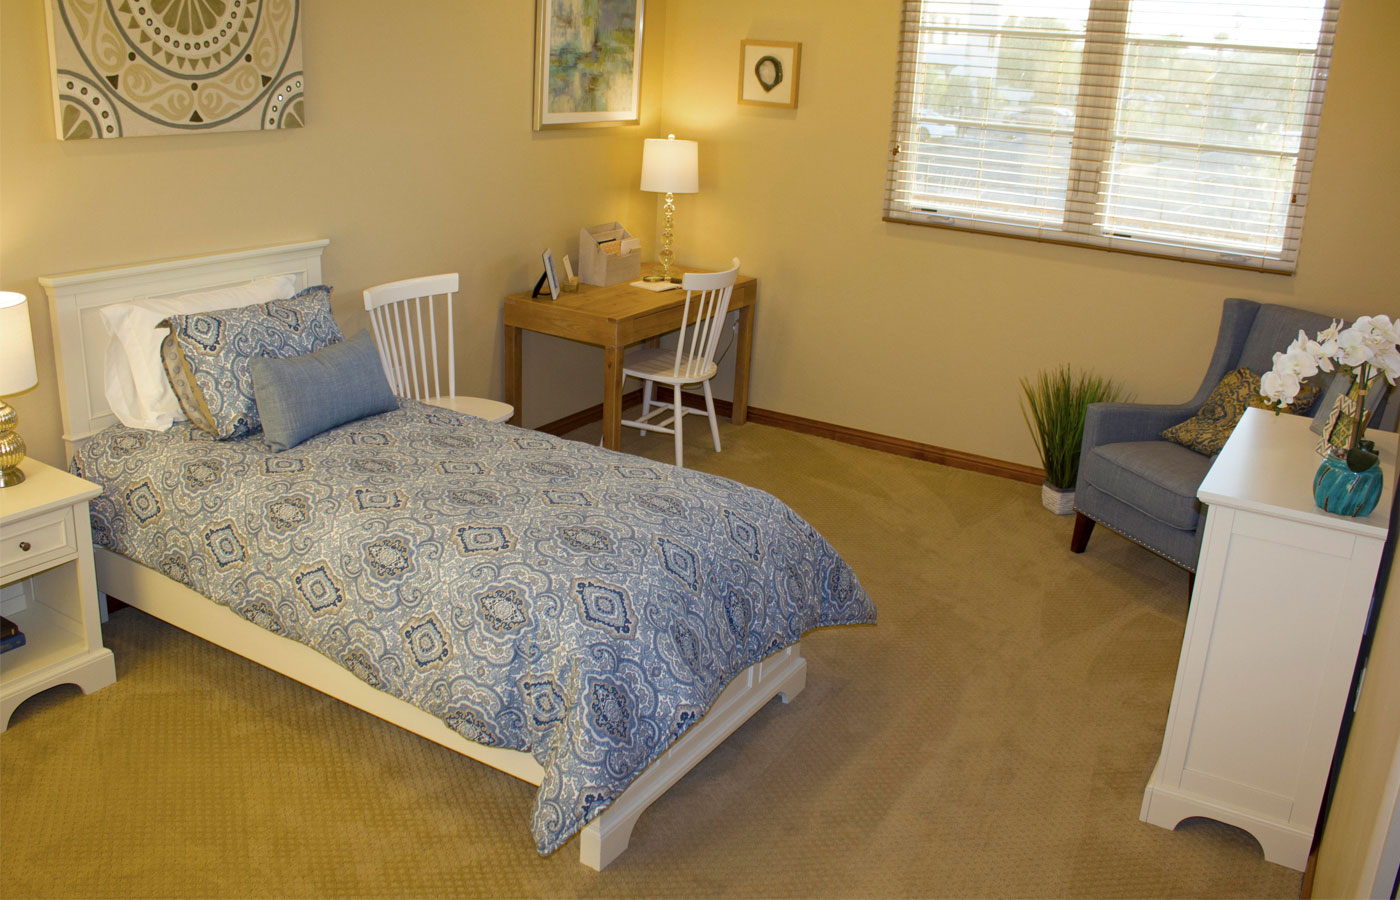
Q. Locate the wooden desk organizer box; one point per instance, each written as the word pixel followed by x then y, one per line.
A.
pixel 595 266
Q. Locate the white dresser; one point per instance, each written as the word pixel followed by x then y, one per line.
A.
pixel 1281 598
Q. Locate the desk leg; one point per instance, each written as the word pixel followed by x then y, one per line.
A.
pixel 514 340
pixel 612 397
pixel 742 357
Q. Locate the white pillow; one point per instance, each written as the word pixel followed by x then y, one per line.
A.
pixel 134 379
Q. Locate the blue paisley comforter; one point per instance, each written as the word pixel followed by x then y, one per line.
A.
pixel 582 605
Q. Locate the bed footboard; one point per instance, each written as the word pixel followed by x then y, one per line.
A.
pixel 784 674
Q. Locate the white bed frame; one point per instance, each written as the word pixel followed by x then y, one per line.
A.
pixel 81 340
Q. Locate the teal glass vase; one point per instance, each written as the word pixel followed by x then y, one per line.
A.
pixel 1338 489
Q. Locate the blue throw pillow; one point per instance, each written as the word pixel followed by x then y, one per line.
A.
pixel 299 397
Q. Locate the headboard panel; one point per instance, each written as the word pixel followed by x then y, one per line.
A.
pixel 80 338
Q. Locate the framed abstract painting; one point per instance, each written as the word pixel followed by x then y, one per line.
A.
pixel 588 62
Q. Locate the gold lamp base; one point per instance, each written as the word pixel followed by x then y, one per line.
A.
pixel 667 254
pixel 11 447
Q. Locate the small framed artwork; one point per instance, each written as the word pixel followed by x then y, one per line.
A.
pixel 768 72
pixel 550 274
pixel 588 63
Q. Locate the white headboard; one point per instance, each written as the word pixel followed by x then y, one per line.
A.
pixel 80 338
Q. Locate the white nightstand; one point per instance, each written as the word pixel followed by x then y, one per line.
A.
pixel 46 544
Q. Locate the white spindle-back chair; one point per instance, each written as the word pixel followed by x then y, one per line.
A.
pixel 403 315
pixel 692 361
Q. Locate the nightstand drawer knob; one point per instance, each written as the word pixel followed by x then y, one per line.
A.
pixel 24 545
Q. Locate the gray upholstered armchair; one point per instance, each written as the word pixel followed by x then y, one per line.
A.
pixel 1144 487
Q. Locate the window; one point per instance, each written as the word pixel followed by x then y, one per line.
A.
pixel 1181 128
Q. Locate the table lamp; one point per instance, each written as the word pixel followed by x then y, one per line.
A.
pixel 669 167
pixel 17 373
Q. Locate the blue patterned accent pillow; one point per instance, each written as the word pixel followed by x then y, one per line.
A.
pixel 216 347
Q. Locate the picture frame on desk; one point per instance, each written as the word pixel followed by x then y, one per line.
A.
pixel 550 275
pixel 588 76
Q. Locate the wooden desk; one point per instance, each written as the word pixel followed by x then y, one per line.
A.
pixel 614 318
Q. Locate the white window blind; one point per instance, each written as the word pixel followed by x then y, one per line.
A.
pixel 1181 128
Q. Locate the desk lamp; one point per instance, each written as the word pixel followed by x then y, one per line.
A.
pixel 669 167
pixel 17 373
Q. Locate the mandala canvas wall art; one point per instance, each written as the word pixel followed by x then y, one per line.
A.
pixel 123 68
pixel 588 62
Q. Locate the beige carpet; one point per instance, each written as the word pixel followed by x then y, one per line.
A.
pixel 990 737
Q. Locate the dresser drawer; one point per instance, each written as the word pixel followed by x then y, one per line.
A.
pixel 36 542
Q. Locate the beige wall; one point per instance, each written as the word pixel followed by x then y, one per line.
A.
pixel 923 333
pixel 418 158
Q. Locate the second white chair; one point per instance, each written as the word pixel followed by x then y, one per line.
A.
pixel 403 315
pixel 692 362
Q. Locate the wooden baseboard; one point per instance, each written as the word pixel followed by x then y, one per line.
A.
pixel 587 416
pixel 957 459
pixel 869 439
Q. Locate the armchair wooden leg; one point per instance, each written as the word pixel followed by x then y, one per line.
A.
pixel 1083 527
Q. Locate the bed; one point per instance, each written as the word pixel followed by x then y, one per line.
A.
pixel 587 621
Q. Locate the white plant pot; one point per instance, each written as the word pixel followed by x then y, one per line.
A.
pixel 1059 502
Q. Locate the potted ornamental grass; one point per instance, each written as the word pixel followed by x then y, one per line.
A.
pixel 1054 408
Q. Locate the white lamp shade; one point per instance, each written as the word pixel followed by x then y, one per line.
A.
pixel 670 166
pixel 17 372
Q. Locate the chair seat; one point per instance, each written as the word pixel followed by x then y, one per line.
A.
pixel 1158 478
pixel 490 410
pixel 657 364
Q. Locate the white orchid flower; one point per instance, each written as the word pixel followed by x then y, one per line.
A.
pixel 1325 353
pixel 1317 352
pixel 1305 364
pixel 1388 361
pixel 1297 362
pixel 1321 354
pixel 1389 330
pixel 1281 388
pixel 1370 347
pixel 1366 326
pixel 1353 349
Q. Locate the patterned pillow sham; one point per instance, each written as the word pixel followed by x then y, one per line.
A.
pixel 215 348
pixel 182 385
pixel 1207 431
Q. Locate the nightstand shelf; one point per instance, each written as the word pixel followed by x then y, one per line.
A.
pixel 46 547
